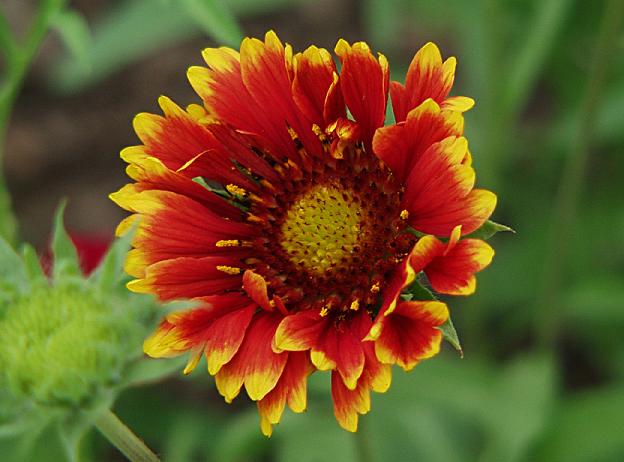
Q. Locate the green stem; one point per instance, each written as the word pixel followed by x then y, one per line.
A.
pixel 124 439
pixel 570 187
pixel 362 443
pixel 18 60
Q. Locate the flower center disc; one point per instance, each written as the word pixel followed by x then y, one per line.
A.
pixel 322 228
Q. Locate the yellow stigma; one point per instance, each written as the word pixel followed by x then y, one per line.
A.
pixel 235 190
pixel 229 269
pixel 404 214
pixel 228 243
pixel 324 311
pixel 375 288
pixel 322 228
pixel 355 305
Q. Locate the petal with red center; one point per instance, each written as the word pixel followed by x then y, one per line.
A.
pixel 409 334
pixel 438 182
pixel 172 226
pixel 291 388
pixel 174 139
pixel 255 365
pixel 265 72
pixel 364 83
pixel 402 145
pixel 216 328
pixel 152 173
pixel 454 272
pixel 185 277
pixel 427 77
pixel 339 346
pixel 314 78
pixel 299 331
pixel 470 212
pixel 349 403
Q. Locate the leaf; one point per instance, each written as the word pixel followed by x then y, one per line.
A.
pixel 32 264
pixel 489 229
pixel 450 335
pixel 215 19
pixel 109 272
pixel 74 31
pixel 420 292
pixel 12 270
pixel 63 250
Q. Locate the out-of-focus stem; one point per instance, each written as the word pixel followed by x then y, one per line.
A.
pixel 17 61
pixel 124 439
pixel 572 176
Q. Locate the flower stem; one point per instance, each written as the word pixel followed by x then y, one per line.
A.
pixel 572 176
pixel 18 58
pixel 123 438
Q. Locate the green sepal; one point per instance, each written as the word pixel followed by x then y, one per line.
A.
pixel 63 249
pixel 489 229
pixel 12 271
pixel 419 292
pixel 450 335
pixel 32 265
pixel 109 273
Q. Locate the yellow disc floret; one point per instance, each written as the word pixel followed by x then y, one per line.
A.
pixel 322 228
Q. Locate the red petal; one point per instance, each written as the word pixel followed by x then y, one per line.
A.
pixel 299 331
pixel 364 83
pixel 217 328
pixel 402 145
pixel 291 388
pixel 453 273
pixel 314 77
pixel 408 334
pixel 255 364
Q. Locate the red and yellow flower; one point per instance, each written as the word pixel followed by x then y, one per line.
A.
pixel 296 219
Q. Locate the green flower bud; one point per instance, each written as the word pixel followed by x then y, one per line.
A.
pixel 62 344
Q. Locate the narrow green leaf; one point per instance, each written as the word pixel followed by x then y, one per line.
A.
pixel 215 19
pixel 489 229
pixel 450 335
pixel 110 271
pixel 63 250
pixel 74 31
pixel 32 264
pixel 12 268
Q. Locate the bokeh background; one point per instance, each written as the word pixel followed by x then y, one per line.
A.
pixel 543 374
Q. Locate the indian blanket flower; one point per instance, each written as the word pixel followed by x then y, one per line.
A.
pixel 296 220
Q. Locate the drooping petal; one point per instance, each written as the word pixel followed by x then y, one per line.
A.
pixel 408 334
pixel 299 331
pixel 217 328
pixel 349 403
pixel 255 365
pixel 291 388
pixel 364 83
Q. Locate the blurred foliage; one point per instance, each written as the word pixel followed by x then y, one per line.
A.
pixel 515 397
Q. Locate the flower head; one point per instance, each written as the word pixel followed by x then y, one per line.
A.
pixel 296 220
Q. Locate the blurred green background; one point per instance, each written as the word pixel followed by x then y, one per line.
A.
pixel 543 373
